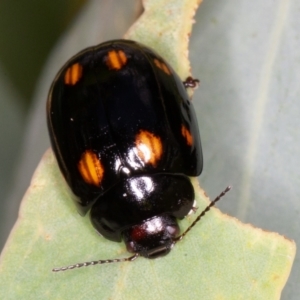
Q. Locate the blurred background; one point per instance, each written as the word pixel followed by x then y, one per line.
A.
pixel 246 56
pixel 28 34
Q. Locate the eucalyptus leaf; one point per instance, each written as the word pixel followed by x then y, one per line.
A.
pixel 219 258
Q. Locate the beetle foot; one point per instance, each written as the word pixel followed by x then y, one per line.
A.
pixel 191 82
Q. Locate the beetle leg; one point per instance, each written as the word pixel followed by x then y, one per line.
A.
pixel 191 82
pixel 193 209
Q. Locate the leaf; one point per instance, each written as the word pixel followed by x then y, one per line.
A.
pixel 220 258
pixel 246 58
pixel 166 23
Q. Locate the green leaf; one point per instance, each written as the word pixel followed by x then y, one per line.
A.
pixel 166 27
pixel 220 258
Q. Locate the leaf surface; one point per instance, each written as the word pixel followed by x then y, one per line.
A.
pixel 220 258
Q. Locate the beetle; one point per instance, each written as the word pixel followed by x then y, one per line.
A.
pixel 126 140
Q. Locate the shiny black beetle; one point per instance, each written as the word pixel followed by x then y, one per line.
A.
pixel 125 136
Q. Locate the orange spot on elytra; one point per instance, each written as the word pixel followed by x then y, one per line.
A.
pixel 187 135
pixel 116 59
pixel 149 147
pixel 73 74
pixel 162 66
pixel 91 168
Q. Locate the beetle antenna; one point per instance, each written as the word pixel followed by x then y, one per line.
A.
pixel 179 238
pixel 96 262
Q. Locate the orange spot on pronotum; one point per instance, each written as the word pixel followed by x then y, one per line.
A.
pixel 91 168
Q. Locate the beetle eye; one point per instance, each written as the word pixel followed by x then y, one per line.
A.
pixel 130 246
pixel 173 230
